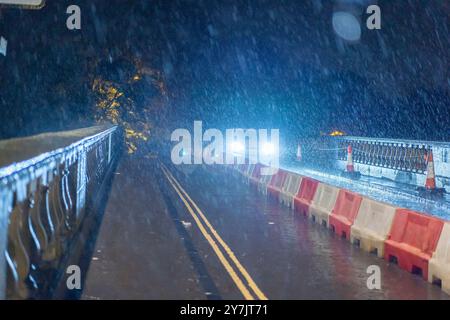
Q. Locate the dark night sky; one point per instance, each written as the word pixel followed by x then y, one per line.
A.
pixel 247 63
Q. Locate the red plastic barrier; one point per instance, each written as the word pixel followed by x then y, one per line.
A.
pixel 276 184
pixel 344 212
pixel 412 240
pixel 305 195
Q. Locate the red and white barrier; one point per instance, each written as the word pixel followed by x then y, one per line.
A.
pixel 305 195
pixel 249 171
pixel 418 242
pixel 256 174
pixel 276 184
pixel 439 265
pixel 344 212
pixel 290 189
pixel 372 225
pixel 264 182
pixel 323 203
pixel 412 240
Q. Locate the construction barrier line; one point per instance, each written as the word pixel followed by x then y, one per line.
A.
pixel 417 242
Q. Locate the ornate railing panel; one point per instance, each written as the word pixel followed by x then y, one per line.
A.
pixel 403 155
pixel 43 203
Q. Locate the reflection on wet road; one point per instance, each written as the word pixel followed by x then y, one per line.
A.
pixel 201 233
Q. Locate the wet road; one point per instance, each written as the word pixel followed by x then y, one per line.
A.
pixel 199 233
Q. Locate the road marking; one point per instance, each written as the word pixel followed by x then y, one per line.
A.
pixel 245 292
pixel 230 253
pixel 251 283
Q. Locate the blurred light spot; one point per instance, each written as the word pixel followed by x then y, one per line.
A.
pixel 346 26
pixel 236 146
pixel 336 133
pixel 268 149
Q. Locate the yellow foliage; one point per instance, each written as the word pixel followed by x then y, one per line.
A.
pixel 131 147
pixel 113 104
pixel 337 133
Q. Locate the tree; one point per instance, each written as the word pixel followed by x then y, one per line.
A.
pixel 128 93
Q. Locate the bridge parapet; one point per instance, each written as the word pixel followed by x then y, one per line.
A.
pixel 44 183
pixel 399 160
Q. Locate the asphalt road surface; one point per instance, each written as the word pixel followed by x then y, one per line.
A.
pixel 193 232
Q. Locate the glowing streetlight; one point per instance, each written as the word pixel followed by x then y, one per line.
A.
pixel 25 4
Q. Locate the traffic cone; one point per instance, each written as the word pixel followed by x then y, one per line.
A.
pixel 350 169
pixel 430 182
pixel 299 153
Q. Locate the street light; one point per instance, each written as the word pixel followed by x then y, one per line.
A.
pixel 25 4
pixel 3 46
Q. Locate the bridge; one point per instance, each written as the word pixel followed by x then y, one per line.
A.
pixel 139 227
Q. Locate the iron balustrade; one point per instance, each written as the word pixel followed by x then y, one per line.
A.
pixel 43 201
pixel 410 157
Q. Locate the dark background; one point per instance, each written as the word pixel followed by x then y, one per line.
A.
pixel 249 63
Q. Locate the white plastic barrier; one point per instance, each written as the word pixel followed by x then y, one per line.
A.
pixel 248 174
pixel 263 183
pixel 235 170
pixel 439 265
pixel 372 226
pixel 249 171
pixel 323 203
pixel 290 189
pixel 255 175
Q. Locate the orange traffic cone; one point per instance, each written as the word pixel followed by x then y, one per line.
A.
pixel 430 182
pixel 350 170
pixel 299 153
pixel 350 167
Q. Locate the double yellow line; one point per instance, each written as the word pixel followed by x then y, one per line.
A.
pixel 250 290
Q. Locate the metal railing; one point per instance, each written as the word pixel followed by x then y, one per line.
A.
pixel 404 156
pixel 43 202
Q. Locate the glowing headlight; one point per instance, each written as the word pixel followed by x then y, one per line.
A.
pixel 268 149
pixel 236 147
